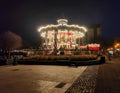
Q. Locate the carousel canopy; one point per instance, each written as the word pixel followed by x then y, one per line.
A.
pixel 63 28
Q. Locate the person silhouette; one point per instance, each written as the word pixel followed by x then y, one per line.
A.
pixel 14 60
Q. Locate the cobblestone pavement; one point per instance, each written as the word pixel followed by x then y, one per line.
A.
pixel 86 82
pixel 104 78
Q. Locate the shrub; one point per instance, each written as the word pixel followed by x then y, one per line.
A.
pixel 62 57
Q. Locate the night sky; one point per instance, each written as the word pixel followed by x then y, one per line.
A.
pixel 25 16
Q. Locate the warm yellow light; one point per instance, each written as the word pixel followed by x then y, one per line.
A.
pixel 65 33
pixel 116 45
pixel 62 21
pixel 110 48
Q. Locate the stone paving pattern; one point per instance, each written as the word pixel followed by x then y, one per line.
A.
pixel 86 81
pixel 104 78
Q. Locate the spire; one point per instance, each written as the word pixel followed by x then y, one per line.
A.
pixel 63 16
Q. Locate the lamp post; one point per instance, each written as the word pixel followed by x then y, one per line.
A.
pixel 55 42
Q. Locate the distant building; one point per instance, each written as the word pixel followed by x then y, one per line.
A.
pixel 93 35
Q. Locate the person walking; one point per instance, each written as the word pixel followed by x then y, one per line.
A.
pixel 14 60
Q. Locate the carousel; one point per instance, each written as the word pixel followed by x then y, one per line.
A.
pixel 62 35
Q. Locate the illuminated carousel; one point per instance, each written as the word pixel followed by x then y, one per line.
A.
pixel 62 34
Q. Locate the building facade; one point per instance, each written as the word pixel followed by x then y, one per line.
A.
pixel 93 35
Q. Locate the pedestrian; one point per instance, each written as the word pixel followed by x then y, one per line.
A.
pixel 14 60
pixel 61 49
pixel 110 56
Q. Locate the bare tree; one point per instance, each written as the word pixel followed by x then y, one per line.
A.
pixel 10 40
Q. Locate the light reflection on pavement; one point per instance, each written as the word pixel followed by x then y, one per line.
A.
pixel 37 78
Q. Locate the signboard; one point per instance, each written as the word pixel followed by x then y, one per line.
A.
pixel 94 46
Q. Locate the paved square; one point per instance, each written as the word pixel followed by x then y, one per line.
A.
pixel 37 78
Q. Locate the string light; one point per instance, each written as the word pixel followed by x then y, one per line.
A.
pixel 64 31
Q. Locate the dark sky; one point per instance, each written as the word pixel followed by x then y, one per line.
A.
pixel 25 16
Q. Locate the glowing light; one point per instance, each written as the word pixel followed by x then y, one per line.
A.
pixel 117 45
pixel 94 46
pixel 62 21
pixel 65 33
pixel 110 48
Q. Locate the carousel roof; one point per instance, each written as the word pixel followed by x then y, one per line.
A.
pixel 63 26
